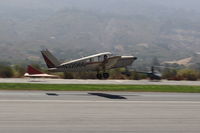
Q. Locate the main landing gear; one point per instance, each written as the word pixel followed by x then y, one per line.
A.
pixel 102 75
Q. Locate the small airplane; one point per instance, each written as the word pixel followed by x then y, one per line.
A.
pixel 99 62
pixel 34 73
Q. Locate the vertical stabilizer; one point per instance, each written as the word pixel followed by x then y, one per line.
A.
pixel 50 60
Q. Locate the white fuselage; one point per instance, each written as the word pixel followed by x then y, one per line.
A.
pixel 92 65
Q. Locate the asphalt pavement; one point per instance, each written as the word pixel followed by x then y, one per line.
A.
pixel 90 81
pixel 98 112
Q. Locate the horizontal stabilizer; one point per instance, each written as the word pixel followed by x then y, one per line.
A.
pixel 31 70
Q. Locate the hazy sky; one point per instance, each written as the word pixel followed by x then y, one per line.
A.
pixel 187 4
pixel 34 23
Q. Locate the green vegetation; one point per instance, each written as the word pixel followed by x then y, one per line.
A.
pixel 181 74
pixel 70 87
pixel 187 74
pixel 17 71
pixel 6 71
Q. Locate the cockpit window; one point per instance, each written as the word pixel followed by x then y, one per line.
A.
pixel 98 58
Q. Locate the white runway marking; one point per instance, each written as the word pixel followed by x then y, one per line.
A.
pixel 87 101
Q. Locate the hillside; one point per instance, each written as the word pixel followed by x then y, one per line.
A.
pixel 74 29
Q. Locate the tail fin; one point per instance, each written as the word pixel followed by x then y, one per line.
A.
pixel 31 70
pixel 50 60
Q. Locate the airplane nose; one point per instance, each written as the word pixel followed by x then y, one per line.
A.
pixel 135 58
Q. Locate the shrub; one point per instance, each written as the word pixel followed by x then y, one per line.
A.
pixel 169 74
pixel 138 76
pixel 187 74
pixel 68 75
pixel 6 72
pixel 19 71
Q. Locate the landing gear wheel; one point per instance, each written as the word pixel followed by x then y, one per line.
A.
pixel 99 76
pixel 106 75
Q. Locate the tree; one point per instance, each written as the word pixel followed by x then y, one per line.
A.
pixel 169 74
pixel 6 72
pixel 19 70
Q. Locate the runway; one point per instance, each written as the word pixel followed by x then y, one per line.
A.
pixel 98 112
pixel 90 81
